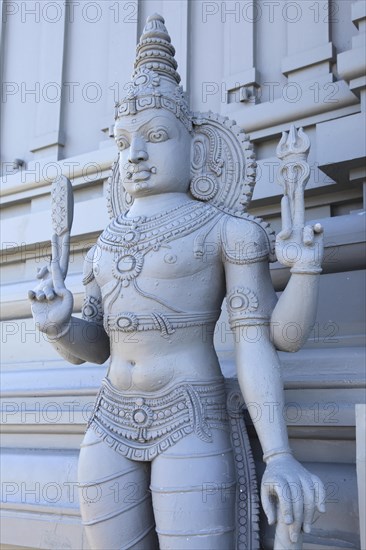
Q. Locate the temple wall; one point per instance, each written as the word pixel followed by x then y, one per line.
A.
pixel 266 65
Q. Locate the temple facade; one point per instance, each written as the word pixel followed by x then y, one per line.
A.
pixel 266 65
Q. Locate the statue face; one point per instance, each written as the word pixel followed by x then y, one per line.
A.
pixel 154 153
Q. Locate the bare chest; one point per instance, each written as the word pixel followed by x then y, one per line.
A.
pixel 172 259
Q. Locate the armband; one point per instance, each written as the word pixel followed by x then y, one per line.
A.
pixel 92 310
pixel 242 307
pixel 306 271
pixel 243 241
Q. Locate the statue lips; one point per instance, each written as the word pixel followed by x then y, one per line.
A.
pixel 142 174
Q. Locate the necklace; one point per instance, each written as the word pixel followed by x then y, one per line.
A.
pixel 130 239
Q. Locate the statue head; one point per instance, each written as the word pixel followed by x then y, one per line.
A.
pixel 164 147
pixel 153 123
pixel 154 153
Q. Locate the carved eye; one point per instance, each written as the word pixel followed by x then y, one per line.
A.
pixel 155 136
pixel 122 143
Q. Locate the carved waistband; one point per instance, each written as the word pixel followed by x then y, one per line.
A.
pixel 166 323
pixel 144 425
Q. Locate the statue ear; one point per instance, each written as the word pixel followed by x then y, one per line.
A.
pixel 118 200
pixel 204 184
pixel 222 163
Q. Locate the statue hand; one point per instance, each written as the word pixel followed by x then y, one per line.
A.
pixel 297 492
pixel 297 246
pixel 51 301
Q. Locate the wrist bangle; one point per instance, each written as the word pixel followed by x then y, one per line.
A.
pixel 306 271
pixel 275 452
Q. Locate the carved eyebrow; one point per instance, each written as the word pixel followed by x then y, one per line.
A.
pixel 122 131
pixel 145 125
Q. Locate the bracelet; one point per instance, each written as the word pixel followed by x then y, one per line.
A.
pixel 275 452
pixel 306 271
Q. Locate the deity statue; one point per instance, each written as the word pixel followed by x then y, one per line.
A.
pixel 180 240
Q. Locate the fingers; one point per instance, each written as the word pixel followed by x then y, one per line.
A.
pixel 57 276
pixel 50 295
pixel 36 295
pixel 313 495
pixel 318 228
pixel 297 494
pixel 310 232
pixel 55 249
pixel 285 503
pixel 308 235
pixel 296 499
pixel 31 295
pixel 40 296
pixel 309 504
pixel 46 293
pixel 319 494
pixel 42 272
pixel 268 504
pixel 293 502
pixel 65 253
pixel 286 218
pixel 303 497
pixel 299 208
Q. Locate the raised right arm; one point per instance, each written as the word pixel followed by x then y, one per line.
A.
pixel 76 340
pixel 85 341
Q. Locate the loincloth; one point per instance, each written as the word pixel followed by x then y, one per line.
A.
pixel 141 426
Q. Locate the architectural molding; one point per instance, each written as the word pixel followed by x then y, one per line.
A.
pixel 48 140
pixel 351 64
pixel 304 59
pixel 331 97
pixel 241 78
pixel 81 169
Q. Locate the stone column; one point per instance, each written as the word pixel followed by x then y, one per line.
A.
pixel 48 136
pixel 241 79
pixel 309 47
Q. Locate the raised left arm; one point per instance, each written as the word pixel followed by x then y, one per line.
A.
pixel 298 246
pixel 294 315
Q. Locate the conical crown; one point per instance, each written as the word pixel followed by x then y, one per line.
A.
pixel 155 81
pixel 155 51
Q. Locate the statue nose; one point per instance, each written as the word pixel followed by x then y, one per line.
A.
pixel 137 151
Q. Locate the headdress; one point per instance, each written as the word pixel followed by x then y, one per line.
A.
pixel 155 81
pixel 223 166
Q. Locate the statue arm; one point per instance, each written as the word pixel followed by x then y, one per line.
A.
pixel 85 339
pixel 294 315
pixel 250 300
pixel 76 340
pixel 300 248
pixel 290 494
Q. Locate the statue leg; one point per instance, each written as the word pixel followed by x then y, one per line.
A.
pixel 114 497
pixel 193 490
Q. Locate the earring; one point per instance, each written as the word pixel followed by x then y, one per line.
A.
pixel 203 187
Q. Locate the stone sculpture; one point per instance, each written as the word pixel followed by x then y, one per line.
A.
pixel 179 240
